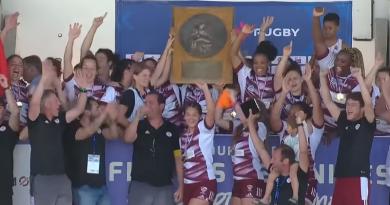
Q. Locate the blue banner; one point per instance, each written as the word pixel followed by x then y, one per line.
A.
pixel 144 25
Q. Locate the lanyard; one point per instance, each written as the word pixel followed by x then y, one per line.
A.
pixel 278 188
pixel 338 87
pixel 94 144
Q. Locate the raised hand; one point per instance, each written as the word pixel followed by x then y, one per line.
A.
pixel 98 21
pixel 379 60
pixel 318 11
pixel 247 29
pixel 202 85
pixel 287 50
pixel 74 31
pixel 11 21
pixel 171 39
pixel 81 79
pixel 137 56
pixel 286 85
pixel 308 72
pixel 3 81
pixel 267 22
pixel 356 73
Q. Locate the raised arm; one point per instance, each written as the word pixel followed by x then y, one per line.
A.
pixel 82 81
pixel 11 102
pixel 267 22
pixel 11 22
pixel 276 111
pixel 86 132
pixel 370 78
pixel 210 116
pixel 35 102
pixel 319 43
pixel 318 115
pixel 157 78
pixel 235 50
pixel 97 22
pixel 73 34
pixel 368 106
pixel 278 78
pixel 259 145
pixel 325 94
pixel 303 146
pixel 131 131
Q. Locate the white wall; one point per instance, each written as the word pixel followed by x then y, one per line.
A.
pixel 42 20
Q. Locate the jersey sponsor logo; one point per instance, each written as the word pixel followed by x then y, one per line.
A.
pixel 57 121
pixel 2 128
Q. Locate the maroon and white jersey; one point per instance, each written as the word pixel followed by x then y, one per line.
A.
pixel 197 149
pixel 112 94
pixel 172 110
pixel 191 93
pixel 290 100
pixel 72 90
pixel 255 87
pixel 246 161
pixel 20 91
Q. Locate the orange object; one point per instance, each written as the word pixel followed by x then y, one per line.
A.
pixel 226 99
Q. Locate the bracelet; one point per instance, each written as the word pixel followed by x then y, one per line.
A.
pixel 83 90
pixel 300 124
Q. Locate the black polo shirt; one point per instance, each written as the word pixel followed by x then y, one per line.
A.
pixel 282 191
pixel 8 140
pixel 153 155
pixel 46 139
pixel 356 137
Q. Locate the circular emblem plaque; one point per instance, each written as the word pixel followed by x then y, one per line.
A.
pixel 203 35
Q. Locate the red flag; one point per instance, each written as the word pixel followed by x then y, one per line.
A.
pixel 3 66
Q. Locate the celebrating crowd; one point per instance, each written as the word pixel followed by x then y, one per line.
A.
pixel 68 112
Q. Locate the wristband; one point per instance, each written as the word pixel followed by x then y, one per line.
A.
pixel 300 124
pixel 83 90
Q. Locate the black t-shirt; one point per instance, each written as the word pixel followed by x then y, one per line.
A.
pixel 353 158
pixel 47 152
pixel 282 191
pixel 128 99
pixel 70 155
pixel 77 158
pixel 153 156
pixel 8 140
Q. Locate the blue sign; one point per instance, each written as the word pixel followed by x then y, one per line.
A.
pixel 144 25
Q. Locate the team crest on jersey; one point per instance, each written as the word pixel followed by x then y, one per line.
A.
pixel 249 187
pixel 2 128
pixel 57 121
pixel 346 128
pixel 288 180
pixel 47 121
pixel 357 126
pixel 147 132
pixel 203 189
pixel 169 134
